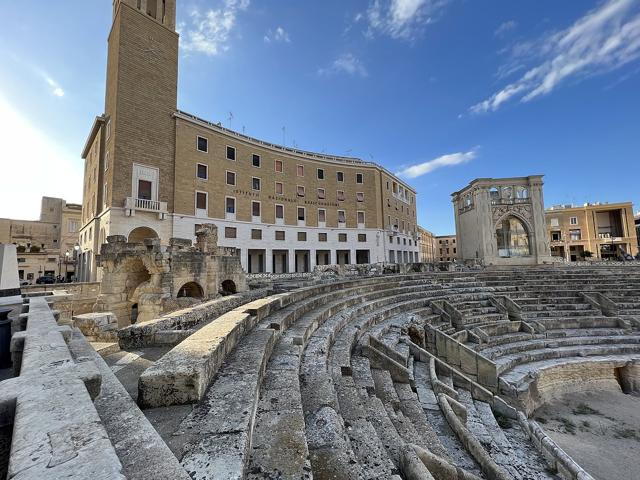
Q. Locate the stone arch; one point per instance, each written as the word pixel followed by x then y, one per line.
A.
pixel 139 234
pixel 513 236
pixel 228 287
pixel 190 290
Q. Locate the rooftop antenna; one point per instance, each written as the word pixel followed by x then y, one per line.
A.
pixel 243 129
pixel 230 118
pixel 284 131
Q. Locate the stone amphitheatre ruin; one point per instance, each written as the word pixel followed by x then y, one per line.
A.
pixel 430 375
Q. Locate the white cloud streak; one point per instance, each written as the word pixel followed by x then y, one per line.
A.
pixel 601 41
pixel 401 19
pixel 209 31
pixel 56 89
pixel 345 63
pixel 449 160
pixel 278 35
pixel 505 28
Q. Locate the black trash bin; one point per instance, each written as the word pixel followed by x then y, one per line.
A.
pixel 5 338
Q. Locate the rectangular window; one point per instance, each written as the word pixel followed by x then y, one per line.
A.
pixel 575 234
pixel 144 190
pixel 255 160
pixel 256 234
pixel 359 178
pixel 255 209
pixel 360 196
pixel 362 237
pixel 230 205
pixel 300 191
pixel 321 194
pixel 340 176
pixel 255 183
pixel 573 220
pixel 322 215
pixel 302 236
pixel 301 213
pixel 342 218
pixel 360 218
pixel 278 166
pixel 231 153
pixel 556 236
pixel 342 237
pixel 202 144
pixel 231 178
pixel 555 222
pixel 322 237
pixel 280 235
pixel 201 200
pixel 279 211
pixel 300 170
pixel 320 174
pixel 340 195
pixel 279 188
pixel 202 171
pixel 230 232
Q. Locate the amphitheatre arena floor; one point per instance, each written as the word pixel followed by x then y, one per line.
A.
pixel 599 429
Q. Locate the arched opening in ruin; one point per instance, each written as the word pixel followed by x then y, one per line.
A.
pixel 139 234
pixel 133 315
pixel 228 287
pixel 190 290
pixel 512 236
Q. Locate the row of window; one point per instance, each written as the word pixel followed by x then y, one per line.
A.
pixel 555 222
pixel 202 145
pixel 398 241
pixel 280 235
pixel 556 236
pixel 256 209
pixel 256 185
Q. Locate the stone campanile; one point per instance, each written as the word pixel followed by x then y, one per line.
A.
pixel 141 98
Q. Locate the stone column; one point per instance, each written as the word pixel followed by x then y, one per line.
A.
pixel 312 260
pixel 268 260
pixel 291 259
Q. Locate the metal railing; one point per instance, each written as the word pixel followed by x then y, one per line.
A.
pixel 144 204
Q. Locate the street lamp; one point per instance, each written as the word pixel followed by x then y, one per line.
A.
pixel 76 251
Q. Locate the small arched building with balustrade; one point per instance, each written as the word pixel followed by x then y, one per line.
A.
pixel 500 221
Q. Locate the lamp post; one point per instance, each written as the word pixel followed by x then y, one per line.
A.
pixel 76 251
pixel 67 254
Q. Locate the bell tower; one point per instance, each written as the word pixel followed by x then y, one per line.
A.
pixel 141 97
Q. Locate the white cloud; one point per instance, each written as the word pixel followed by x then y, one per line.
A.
pixel 602 40
pixel 345 63
pixel 505 28
pixel 208 32
pixel 401 18
pixel 443 161
pixel 277 35
pixel 55 88
pixel 33 165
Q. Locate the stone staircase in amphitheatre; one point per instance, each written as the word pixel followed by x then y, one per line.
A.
pixel 397 376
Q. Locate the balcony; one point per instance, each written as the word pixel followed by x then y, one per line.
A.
pixel 132 204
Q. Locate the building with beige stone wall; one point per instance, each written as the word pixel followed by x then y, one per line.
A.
pixel 606 230
pixel 446 248
pixel 500 221
pixel 426 245
pixel 45 246
pixel 152 170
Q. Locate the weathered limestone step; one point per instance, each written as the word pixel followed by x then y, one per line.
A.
pixel 508 362
pixel 538 344
pixel 217 432
pixel 279 447
pixel 143 453
pixel 456 451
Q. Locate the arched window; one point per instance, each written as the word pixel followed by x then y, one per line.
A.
pixel 494 194
pixel 507 193
pixel 522 192
pixel 190 289
pixel 513 238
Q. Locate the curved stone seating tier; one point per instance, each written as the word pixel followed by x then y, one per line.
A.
pixel 532 384
pixel 509 362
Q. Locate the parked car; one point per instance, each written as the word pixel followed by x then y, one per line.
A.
pixel 46 280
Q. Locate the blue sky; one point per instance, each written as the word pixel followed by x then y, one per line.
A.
pixel 442 91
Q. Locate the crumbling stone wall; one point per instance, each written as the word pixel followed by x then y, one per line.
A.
pixel 142 281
